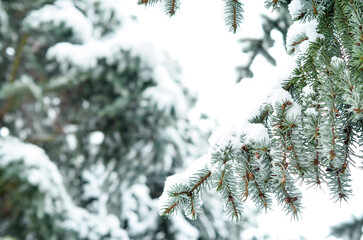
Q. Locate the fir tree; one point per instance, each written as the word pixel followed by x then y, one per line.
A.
pixel 97 121
pixel 307 131
pixel 352 230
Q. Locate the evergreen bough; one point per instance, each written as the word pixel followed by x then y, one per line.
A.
pixel 307 132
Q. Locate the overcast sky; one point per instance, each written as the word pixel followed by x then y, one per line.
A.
pixel 209 54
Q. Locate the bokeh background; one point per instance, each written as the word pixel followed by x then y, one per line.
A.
pixel 100 101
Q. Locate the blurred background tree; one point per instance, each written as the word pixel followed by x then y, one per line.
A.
pixel 97 118
pixel 352 230
pixel 260 46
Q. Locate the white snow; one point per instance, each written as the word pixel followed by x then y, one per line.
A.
pixel 227 135
pixel 4 132
pixel 173 180
pixel 139 210
pixel 230 135
pixel 72 141
pixel 34 166
pixel 61 12
pixel 96 137
pixel 10 51
pixel 308 90
pixel 166 95
pixel 299 29
pixel 295 8
pixel 311 30
pixel 183 179
pixel 94 179
pixel 257 133
pixel 184 230
pixel 311 111
pixel 83 56
pixel 279 96
pixel 336 62
pixel 199 164
pixel 294 111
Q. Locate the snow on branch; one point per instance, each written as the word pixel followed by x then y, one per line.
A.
pixel 182 191
pixel 61 13
pixel 305 132
pixel 34 169
pixel 257 160
pixel 300 35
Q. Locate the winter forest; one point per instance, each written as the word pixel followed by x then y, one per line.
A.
pixel 181 120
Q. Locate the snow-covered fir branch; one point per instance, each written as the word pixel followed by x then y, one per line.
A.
pixel 311 126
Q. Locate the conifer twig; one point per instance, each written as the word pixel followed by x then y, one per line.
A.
pixel 300 41
pixel 231 199
pixel 233 13
pixel 314 8
pixel 172 10
pixel 170 209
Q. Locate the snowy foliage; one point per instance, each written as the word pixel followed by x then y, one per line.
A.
pixel 304 132
pixel 61 14
pixel 300 35
pixel 35 172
